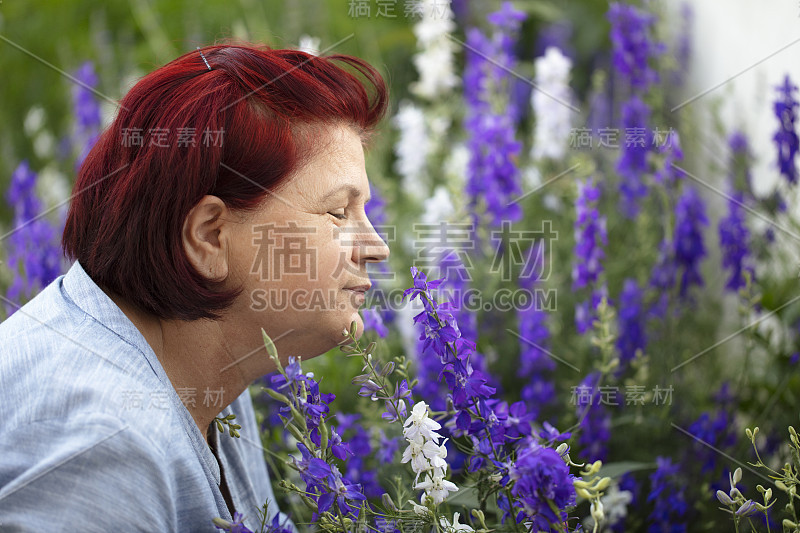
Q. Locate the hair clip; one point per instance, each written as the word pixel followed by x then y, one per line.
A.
pixel 204 58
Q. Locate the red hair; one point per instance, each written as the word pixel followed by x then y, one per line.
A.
pixel 131 198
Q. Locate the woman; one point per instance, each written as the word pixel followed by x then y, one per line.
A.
pixel 227 196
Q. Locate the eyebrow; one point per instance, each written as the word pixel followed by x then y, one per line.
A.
pixel 353 192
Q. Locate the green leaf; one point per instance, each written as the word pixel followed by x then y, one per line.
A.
pixel 616 470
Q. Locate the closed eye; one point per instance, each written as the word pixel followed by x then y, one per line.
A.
pixel 340 216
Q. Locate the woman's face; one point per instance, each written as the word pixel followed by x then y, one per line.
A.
pixel 302 258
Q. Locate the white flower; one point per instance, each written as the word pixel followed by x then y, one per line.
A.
pixel 435 67
pixel 420 510
pixel 434 61
pixel 412 147
pixel 550 101
pixel 613 507
pixel 616 502
pixel 414 453
pixel 438 208
pixel 436 454
pixel 437 487
pixel 418 427
pixel 455 526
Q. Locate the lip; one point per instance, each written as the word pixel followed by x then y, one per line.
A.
pixel 359 288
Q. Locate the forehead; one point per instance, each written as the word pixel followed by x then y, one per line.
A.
pixel 336 167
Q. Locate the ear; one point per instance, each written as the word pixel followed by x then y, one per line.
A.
pixel 205 238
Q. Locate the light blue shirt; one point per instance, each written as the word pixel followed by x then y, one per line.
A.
pixel 93 437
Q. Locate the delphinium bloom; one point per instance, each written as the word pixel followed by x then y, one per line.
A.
pixel 412 147
pixel 734 240
pixel 632 44
pixel 786 138
pixel 86 109
pixel 379 272
pixel 690 217
pixel 590 238
pixel 34 255
pixel 357 469
pixel 426 455
pixel 633 50
pixel 631 320
pixel 497 431
pixel 237 526
pixel 542 481
pixel 662 279
pixel 434 60
pixel 549 101
pixel 632 164
pixel 492 175
pixel 374 321
pixel 535 364
pixel 669 174
pixel 594 419
pixel 325 484
pixel 668 497
pixel 714 432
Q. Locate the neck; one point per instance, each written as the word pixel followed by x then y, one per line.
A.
pixel 198 362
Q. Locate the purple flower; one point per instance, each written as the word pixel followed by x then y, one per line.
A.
pixel 541 476
pixel 341 492
pixel 387 449
pixel 734 240
pixel 632 164
pixel 590 235
pixel 786 136
pixel 668 175
pixel 86 109
pixel 396 408
pixel 380 271
pixel 663 278
pixel 374 321
pixel 740 163
pixel 535 362
pixel 585 312
pixel 34 255
pixel 633 48
pixel 233 527
pixel 276 527
pixel 667 495
pixel 466 385
pixel 294 375
pixel 690 217
pixel 492 174
pixel 593 418
pixel 631 320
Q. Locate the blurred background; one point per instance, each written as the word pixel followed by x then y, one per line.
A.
pixel 699 263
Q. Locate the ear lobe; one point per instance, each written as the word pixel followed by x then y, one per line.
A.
pixel 204 240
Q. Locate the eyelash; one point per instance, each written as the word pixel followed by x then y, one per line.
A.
pixel 338 216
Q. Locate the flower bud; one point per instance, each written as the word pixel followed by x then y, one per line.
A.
pixel 737 475
pixel 597 511
pixel 746 509
pixel 723 498
pixel 387 502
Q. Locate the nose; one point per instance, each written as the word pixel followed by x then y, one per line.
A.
pixel 368 246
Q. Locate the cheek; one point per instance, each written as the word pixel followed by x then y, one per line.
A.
pixel 331 258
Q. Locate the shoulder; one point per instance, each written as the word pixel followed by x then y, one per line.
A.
pixel 90 473
pixel 59 363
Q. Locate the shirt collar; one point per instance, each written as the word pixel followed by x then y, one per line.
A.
pixel 91 299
